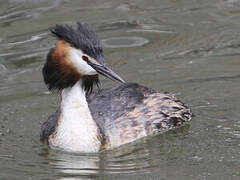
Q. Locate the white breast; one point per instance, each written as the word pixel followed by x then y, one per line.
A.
pixel 76 130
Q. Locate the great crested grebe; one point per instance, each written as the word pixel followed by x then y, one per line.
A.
pixel 89 121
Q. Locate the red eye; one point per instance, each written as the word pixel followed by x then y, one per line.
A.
pixel 85 58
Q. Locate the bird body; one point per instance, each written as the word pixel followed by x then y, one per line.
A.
pixel 89 121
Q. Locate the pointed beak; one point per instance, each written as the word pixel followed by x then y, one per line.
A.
pixel 105 71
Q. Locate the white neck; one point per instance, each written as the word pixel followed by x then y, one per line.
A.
pixel 76 130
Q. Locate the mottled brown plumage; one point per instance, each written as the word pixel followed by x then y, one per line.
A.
pixel 131 111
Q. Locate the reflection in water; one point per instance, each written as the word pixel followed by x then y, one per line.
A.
pixel 75 165
pixel 92 165
pixel 132 158
pixel 127 160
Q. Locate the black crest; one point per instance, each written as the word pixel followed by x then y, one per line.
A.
pixel 81 37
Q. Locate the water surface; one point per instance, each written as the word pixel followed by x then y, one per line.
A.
pixel 188 47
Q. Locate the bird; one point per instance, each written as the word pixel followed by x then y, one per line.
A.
pixel 89 120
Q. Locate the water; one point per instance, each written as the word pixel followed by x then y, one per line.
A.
pixel 188 47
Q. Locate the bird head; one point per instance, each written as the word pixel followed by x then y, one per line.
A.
pixel 78 55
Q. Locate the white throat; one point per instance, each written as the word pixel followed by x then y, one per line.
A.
pixel 76 130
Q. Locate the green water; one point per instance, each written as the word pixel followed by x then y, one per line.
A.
pixel 188 47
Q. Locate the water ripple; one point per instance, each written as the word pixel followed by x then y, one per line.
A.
pixel 3 68
pixel 120 42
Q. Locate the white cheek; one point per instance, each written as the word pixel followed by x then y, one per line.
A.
pixel 82 67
